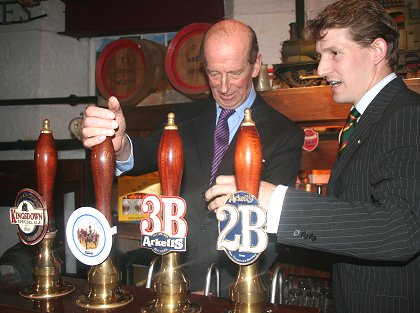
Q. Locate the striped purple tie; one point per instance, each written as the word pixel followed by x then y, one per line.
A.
pixel 221 141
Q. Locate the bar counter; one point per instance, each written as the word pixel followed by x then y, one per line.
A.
pixel 12 302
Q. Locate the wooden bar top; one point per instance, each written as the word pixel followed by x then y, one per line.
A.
pixel 12 302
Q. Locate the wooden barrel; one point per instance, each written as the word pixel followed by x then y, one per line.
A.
pixel 130 69
pixel 182 63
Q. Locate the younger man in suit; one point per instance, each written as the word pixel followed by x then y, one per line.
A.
pixel 232 59
pixel 371 217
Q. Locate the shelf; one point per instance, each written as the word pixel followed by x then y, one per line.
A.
pixel 314 106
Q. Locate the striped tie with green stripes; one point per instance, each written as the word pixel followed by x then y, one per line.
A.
pixel 348 129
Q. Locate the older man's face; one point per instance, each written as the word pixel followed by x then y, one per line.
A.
pixel 230 75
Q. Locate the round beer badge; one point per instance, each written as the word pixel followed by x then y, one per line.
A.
pixel 311 140
pixel 242 224
pixel 30 215
pixel 89 235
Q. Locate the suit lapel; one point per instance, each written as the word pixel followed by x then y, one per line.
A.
pixel 204 126
pixel 366 126
pixel 362 131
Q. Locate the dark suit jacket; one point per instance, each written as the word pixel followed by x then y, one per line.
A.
pixel 371 216
pixel 282 145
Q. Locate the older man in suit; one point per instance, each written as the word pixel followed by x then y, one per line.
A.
pixel 371 217
pixel 232 59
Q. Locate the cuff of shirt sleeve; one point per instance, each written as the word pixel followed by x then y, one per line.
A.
pixel 125 166
pixel 274 209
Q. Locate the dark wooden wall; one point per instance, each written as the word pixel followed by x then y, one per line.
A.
pixel 94 18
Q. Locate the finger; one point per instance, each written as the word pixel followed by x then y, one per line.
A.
pixel 90 132
pixel 90 142
pixel 218 190
pixel 211 193
pixel 224 184
pixel 217 203
pixel 97 122
pixel 225 179
pixel 94 111
pixel 114 105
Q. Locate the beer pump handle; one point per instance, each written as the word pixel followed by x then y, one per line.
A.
pixel 46 167
pixel 170 159
pixel 248 156
pixel 102 162
pixel 171 286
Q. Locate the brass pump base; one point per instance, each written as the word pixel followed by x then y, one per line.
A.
pixel 171 287
pixel 105 292
pixel 160 307
pixel 248 294
pixel 34 293
pixel 46 272
pixel 118 299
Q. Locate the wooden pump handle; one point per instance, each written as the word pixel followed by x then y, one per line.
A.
pixel 170 159
pixel 45 157
pixel 102 162
pixel 248 156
